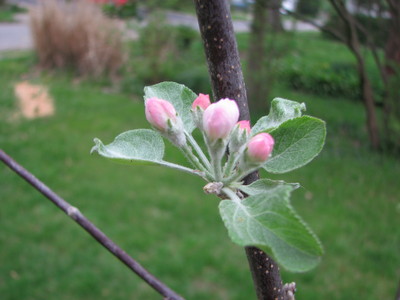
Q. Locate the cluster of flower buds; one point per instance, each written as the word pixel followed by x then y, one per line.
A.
pixel 221 130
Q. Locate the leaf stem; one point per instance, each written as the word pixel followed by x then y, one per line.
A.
pixel 232 161
pixel 187 151
pixel 229 166
pixel 238 175
pixel 232 195
pixel 216 150
pixel 216 162
pixel 198 150
pixel 183 168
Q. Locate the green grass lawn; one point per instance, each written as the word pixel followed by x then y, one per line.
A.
pixel 349 196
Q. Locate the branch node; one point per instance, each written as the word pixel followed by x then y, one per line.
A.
pixel 73 212
pixel 213 188
pixel 289 290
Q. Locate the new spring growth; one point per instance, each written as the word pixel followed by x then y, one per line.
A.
pixel 219 119
pixel 240 136
pixel 258 150
pixel 162 115
pixel 231 151
pixel 260 147
pixel 237 143
pixel 219 123
pixel 198 107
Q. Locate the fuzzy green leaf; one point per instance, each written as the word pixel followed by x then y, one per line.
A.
pixel 269 222
pixel 140 146
pixel 297 142
pixel 179 95
pixel 266 186
pixel 281 111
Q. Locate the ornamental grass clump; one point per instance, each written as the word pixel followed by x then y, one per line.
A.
pixel 282 141
pixel 76 36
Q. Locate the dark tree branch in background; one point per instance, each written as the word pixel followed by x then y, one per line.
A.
pixel 227 82
pixel 257 84
pixel 353 43
pixel 336 33
pixel 351 40
pixel 374 51
pixel 79 218
pixel 322 28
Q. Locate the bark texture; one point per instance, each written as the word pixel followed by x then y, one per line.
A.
pixel 227 82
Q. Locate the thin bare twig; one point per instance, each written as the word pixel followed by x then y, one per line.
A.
pixel 79 218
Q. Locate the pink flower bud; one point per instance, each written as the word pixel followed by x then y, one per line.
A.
pixel 239 136
pixel 244 126
pixel 219 119
pixel 260 147
pixel 159 112
pixel 202 101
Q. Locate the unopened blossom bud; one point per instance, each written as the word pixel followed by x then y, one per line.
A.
pixel 202 101
pixel 159 112
pixel 198 107
pixel 162 115
pixel 219 119
pixel 244 126
pixel 239 136
pixel 260 147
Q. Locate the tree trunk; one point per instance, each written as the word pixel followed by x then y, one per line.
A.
pixel 257 86
pixel 353 42
pixel 392 48
pixel 397 297
pixel 227 82
pixel 274 15
pixel 392 73
pixel 368 100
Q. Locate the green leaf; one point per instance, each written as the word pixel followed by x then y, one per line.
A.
pixel 179 95
pixel 266 186
pixel 269 222
pixel 281 111
pixel 140 146
pixel 297 142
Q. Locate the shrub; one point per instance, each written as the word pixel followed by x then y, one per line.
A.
pixel 165 52
pixel 155 51
pixel 196 78
pixel 331 79
pixel 76 35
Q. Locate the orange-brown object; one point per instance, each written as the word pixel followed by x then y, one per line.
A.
pixel 34 100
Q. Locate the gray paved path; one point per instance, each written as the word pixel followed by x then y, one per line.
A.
pixel 15 37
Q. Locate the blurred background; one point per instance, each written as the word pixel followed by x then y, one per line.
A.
pixel 71 71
